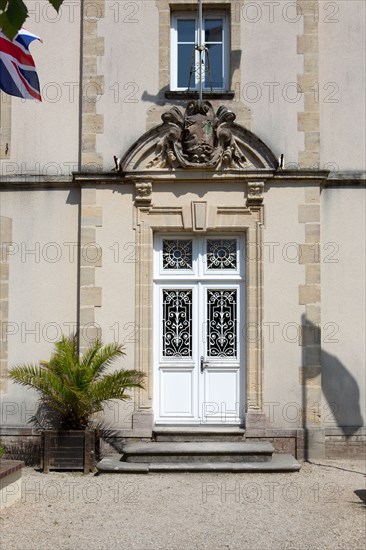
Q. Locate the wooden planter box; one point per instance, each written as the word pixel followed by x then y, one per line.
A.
pixel 70 450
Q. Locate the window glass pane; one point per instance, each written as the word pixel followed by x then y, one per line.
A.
pixel 185 58
pixel 186 30
pixel 215 54
pixel 213 30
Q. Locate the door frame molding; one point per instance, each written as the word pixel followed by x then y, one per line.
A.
pixel 203 218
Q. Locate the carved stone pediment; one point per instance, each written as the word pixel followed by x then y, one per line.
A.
pixel 198 138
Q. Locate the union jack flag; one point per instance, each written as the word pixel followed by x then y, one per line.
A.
pixel 18 75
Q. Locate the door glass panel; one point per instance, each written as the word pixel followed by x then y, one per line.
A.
pixel 177 254
pixel 177 323
pixel 221 254
pixel 222 323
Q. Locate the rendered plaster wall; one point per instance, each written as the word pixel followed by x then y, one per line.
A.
pixel 342 79
pixel 130 68
pixel 319 47
pixel 343 311
pixel 269 67
pixel 283 354
pixel 264 86
pixel 283 84
pixel 43 138
pixel 116 279
pixel 42 289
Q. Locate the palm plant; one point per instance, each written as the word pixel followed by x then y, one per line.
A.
pixel 76 387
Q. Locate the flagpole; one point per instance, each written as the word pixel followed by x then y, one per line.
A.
pixel 200 49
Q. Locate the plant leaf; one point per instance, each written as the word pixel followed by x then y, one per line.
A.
pixel 56 4
pixel 114 386
pixel 77 387
pixel 13 16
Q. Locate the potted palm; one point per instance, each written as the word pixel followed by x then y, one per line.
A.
pixel 73 388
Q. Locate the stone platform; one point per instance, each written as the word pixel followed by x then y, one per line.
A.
pixel 198 449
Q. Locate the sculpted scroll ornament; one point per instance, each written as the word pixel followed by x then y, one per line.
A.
pixel 198 138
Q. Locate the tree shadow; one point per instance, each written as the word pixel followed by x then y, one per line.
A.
pixel 342 394
pixel 338 385
pixel 113 439
pixel 28 450
pixel 45 418
pixel 361 493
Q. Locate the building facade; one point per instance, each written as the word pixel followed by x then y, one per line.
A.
pixel 222 241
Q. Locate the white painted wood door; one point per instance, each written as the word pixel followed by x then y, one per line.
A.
pixel 199 345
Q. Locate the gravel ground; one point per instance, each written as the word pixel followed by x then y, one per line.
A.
pixel 320 507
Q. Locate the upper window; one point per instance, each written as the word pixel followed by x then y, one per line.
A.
pixel 209 257
pixel 185 70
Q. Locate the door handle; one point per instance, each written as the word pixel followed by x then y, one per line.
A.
pixel 202 363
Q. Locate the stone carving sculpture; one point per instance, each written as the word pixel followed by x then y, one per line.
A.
pixel 199 137
pixel 143 192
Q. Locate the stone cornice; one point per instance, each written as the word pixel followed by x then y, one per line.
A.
pixel 79 179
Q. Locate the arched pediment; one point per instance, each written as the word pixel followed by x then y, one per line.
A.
pixel 196 139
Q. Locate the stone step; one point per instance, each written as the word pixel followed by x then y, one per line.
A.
pixel 278 463
pixel 198 452
pixel 198 433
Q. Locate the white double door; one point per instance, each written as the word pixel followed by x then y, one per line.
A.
pixel 199 347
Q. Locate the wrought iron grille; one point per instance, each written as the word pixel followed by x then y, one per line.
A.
pixel 222 323
pixel 177 254
pixel 177 323
pixel 221 254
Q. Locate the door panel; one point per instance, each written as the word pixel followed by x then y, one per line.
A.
pixel 177 393
pixel 221 395
pixel 222 351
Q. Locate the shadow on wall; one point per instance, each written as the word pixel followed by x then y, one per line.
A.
pixel 28 449
pixel 341 392
pixel 111 441
pixel 160 98
pixel 339 387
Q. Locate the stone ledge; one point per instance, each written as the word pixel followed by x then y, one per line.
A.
pixel 264 435
pixel 8 467
pixel 19 430
pixel 346 431
pixel 10 481
pixel 279 463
